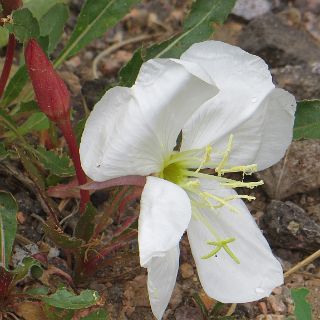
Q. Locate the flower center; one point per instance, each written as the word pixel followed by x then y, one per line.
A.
pixel 176 169
pixel 174 172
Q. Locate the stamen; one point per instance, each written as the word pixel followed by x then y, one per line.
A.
pixel 206 158
pixel 248 170
pixel 222 201
pixel 241 184
pixel 225 156
pixel 222 244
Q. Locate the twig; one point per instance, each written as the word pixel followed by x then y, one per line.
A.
pixel 303 263
pixel 115 47
pixel 22 240
pixel 13 315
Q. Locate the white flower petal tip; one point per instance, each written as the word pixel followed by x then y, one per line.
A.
pixel 162 274
pixel 277 127
pixel 164 216
pixel 258 271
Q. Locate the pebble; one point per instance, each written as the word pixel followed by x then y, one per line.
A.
pixel 186 270
pixel 249 9
pixel 187 313
pixel 177 296
pixel 276 304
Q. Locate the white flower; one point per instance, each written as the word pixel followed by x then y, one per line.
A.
pixel 231 117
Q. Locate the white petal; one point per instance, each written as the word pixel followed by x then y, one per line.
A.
pixel 243 80
pixel 168 93
pixel 265 136
pixel 131 130
pixel 221 277
pixel 280 107
pixel 162 274
pixel 164 216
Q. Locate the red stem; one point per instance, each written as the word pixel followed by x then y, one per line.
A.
pixel 8 63
pixel 126 224
pixel 112 210
pixel 68 134
pixel 136 194
pixel 139 181
pixel 90 266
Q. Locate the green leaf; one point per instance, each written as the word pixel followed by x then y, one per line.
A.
pixel 52 24
pixel 24 26
pixel 38 291
pixel 40 7
pixel 61 239
pixel 28 161
pixel 79 129
pixel 95 18
pixel 28 106
pixel 58 165
pixel 8 226
pixel 85 226
pixel 29 266
pixel 3 152
pixel 100 314
pixel 129 73
pixel 36 122
pixel 197 27
pixel 15 86
pixel 7 121
pixel 302 308
pixel 307 121
pixel 4 36
pixel 65 299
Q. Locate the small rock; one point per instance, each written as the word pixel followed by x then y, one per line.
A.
pixel 74 62
pixel 263 307
pixel 187 313
pixel 72 81
pixel 276 304
pixel 277 291
pixel 93 90
pixel 313 283
pixel 186 270
pixel 270 317
pixel 301 80
pixel 279 44
pixel 229 32
pixel 296 173
pixel 21 217
pixel 177 296
pixel 288 226
pixel 136 293
pixel 249 9
pixel 206 300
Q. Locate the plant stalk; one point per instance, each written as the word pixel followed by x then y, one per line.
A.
pixel 68 134
pixel 8 63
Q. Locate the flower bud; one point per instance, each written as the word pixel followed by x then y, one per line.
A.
pixel 10 5
pixel 51 92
